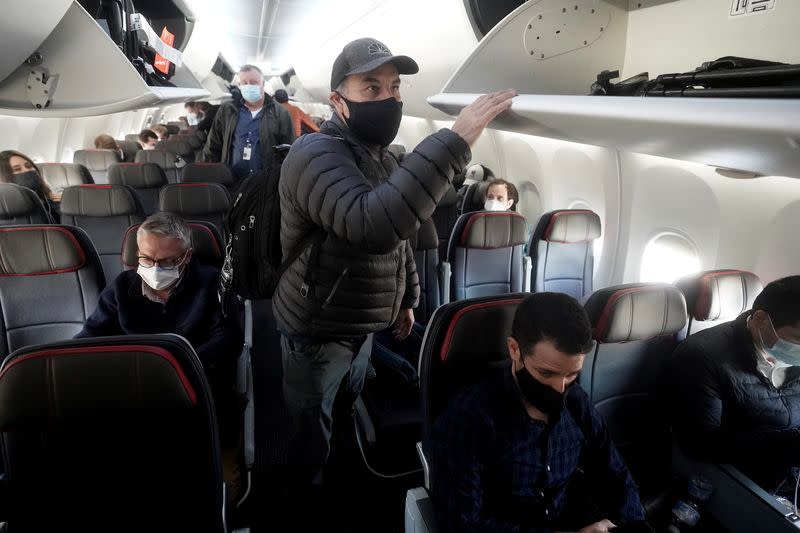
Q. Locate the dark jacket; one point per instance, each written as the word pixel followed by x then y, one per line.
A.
pixel 276 128
pixel 192 311
pixel 208 119
pixel 368 206
pixel 724 410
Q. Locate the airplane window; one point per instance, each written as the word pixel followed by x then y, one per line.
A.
pixel 667 257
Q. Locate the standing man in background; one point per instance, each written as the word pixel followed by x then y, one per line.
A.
pixel 299 117
pixel 243 136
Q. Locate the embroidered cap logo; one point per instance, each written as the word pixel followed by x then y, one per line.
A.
pixel 378 48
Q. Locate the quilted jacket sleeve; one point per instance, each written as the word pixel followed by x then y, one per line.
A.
pixel 411 296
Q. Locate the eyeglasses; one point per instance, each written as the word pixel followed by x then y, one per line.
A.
pixel 167 264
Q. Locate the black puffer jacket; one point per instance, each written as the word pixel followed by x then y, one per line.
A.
pixel 724 410
pixel 368 206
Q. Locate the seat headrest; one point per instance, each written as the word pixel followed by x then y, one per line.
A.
pixel 97 160
pixel 719 294
pixel 64 382
pixel 39 250
pixel 475 196
pixel 636 312
pixel 99 201
pixel 206 245
pixel 426 237
pixel 494 314
pixel 208 173
pixel 189 199
pixel 176 147
pixel 572 225
pixel 137 175
pixel 16 201
pixel 493 229
pixel 60 175
pixel 166 160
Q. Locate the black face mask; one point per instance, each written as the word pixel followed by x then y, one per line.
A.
pixel 544 398
pixel 29 179
pixel 375 122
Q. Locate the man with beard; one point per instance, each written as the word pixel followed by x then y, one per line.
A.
pixel 525 450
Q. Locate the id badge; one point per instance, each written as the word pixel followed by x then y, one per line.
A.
pixel 247 152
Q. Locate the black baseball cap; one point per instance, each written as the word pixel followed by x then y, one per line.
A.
pixel 364 55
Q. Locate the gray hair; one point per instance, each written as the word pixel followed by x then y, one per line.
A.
pixel 249 68
pixel 167 225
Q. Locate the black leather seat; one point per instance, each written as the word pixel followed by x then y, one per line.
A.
pixel 168 161
pixel 20 205
pixel 178 147
pixel 174 127
pixel 97 161
pixel 62 175
pixel 146 180
pixel 132 137
pixel 474 197
pixel 129 149
pixel 105 212
pixel 636 328
pixel 206 246
pixel 717 296
pixel 110 434
pixel 50 280
pixel 209 173
pixel 189 138
pixel 562 253
pixel 207 202
pixel 426 257
pixel 444 217
pixel 486 254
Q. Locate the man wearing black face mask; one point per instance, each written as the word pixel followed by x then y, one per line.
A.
pixel 350 207
pixel 507 451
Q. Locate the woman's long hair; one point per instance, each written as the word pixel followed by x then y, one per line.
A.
pixel 7 175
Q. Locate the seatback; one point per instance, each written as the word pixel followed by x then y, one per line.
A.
pixel 209 173
pixel 426 257
pixel 206 245
pixel 146 180
pixel 636 328
pixel 20 205
pixel 130 149
pixel 110 434
pixel 562 253
pixel 717 296
pixel 207 202
pixel 445 216
pixel 173 128
pixel 178 147
pixel 132 137
pixel 166 160
pixel 474 197
pixel 97 161
pixel 190 138
pixel 463 340
pixel 50 280
pixel 486 254
pixel 105 212
pixel 61 175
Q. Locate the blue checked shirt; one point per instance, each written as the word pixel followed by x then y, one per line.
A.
pixel 496 469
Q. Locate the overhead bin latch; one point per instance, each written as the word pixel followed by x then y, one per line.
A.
pixel 41 87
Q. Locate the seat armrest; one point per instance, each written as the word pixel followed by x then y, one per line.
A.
pixel 419 513
pixel 444 282
pixel 527 268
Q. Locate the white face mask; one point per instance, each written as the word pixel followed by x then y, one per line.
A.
pixel 494 205
pixel 158 278
pixel 783 350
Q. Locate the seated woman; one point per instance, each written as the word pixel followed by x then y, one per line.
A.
pixel 107 142
pixel 16 167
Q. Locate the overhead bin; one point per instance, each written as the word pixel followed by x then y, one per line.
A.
pixel 81 67
pixel 551 51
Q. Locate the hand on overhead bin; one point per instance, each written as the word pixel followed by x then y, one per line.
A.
pixel 472 120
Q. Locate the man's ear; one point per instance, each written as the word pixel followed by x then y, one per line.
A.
pixel 339 105
pixel 510 203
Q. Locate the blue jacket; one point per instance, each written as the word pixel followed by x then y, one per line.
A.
pixel 192 311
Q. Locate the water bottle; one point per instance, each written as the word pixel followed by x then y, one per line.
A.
pixel 686 514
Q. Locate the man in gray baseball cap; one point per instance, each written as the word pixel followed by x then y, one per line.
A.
pixel 348 208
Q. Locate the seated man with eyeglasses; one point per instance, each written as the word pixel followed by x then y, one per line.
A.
pixel 170 293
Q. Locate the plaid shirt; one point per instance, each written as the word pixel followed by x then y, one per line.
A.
pixel 497 469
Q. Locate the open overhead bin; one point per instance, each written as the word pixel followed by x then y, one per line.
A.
pixel 552 51
pixel 109 59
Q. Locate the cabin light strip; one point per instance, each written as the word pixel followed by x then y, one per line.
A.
pixel 139 23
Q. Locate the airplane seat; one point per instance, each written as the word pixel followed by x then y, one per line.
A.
pixel 636 327
pixel 20 205
pixel 191 139
pixel 209 173
pixel 132 137
pixel 474 197
pixel 97 161
pixel 181 148
pixel 146 180
pixel 445 216
pixel 562 252
pixel 168 161
pixel 426 256
pixel 206 246
pixel 207 202
pixel 130 149
pixel 486 255
pixel 110 434
pixel 105 212
pixel 51 278
pixel 61 175
pixel 717 296
pixel 174 127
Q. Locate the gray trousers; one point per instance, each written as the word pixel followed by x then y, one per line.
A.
pixel 315 376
